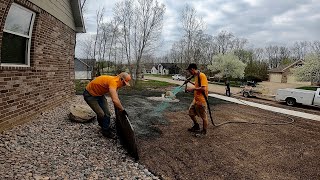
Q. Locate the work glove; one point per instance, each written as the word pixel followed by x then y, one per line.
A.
pixel 125 113
pixel 185 82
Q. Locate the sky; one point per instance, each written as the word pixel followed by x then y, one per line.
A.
pixel 261 22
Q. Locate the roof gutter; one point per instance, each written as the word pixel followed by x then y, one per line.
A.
pixel 77 16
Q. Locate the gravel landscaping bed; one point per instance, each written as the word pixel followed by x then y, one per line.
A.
pixel 52 147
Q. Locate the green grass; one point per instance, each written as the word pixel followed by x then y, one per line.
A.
pixel 80 85
pixel 312 88
pixel 151 84
pixel 158 75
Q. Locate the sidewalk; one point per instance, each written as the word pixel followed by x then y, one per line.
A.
pixel 268 108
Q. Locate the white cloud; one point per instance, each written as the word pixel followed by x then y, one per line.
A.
pixel 260 21
pixel 253 2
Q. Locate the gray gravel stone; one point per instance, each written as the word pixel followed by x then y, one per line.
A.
pixel 52 147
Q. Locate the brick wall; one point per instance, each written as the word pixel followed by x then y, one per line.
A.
pixel 26 91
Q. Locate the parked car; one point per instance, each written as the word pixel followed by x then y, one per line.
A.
pixel 294 96
pixel 178 77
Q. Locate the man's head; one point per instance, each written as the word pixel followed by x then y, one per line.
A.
pixel 192 68
pixel 125 78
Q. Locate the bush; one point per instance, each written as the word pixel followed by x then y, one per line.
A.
pixel 312 88
pixel 80 85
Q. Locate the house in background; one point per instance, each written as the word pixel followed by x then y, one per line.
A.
pixel 147 68
pixel 37 43
pixel 84 68
pixel 283 73
pixel 162 68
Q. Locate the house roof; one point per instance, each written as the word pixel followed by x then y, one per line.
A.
pixel 168 65
pixel 84 64
pixel 282 68
pixel 89 62
pixel 149 65
pixel 77 16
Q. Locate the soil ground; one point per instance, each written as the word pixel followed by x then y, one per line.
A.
pixel 231 151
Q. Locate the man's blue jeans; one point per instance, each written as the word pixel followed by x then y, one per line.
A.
pixel 99 105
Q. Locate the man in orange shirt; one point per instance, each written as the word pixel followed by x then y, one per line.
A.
pixel 94 96
pixel 198 106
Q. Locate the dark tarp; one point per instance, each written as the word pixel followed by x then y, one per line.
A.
pixel 126 134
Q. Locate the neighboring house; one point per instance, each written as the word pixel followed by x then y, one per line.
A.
pixel 84 68
pixel 147 68
pixel 283 74
pixel 163 69
pixel 37 43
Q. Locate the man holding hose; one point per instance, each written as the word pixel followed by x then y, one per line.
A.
pixel 198 107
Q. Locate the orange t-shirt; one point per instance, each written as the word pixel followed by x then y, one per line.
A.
pixel 198 96
pixel 101 85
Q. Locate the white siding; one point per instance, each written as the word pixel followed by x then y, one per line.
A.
pixel 165 71
pixel 82 74
pixel 154 70
pixel 61 9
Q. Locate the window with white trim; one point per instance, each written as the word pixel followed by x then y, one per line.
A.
pixel 16 39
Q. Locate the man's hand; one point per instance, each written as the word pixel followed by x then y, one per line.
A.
pixel 189 89
pixel 125 112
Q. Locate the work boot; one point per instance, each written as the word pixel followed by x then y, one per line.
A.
pixel 109 134
pixel 203 132
pixel 195 128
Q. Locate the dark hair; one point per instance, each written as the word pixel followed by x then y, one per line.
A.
pixel 192 66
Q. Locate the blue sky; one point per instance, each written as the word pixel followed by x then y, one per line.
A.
pixel 261 22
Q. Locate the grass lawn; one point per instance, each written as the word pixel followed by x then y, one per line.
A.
pixel 140 85
pixel 80 85
pixel 161 76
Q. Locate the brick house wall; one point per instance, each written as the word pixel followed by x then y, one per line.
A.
pixel 26 91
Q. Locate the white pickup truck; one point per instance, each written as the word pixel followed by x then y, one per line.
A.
pixel 293 96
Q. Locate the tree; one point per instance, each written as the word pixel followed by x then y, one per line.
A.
pixel 228 65
pixel 315 46
pixel 310 71
pixel 83 4
pixel 258 54
pixel 191 25
pixel 147 28
pixel 243 55
pixel 99 20
pixel 224 41
pixel 123 14
pixel 299 50
pixel 256 71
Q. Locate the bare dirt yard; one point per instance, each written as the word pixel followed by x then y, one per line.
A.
pixel 231 151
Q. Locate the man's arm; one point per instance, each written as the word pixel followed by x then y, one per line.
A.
pixel 201 89
pixel 115 99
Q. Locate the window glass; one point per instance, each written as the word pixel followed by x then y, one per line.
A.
pixel 18 20
pixel 16 39
pixel 13 49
